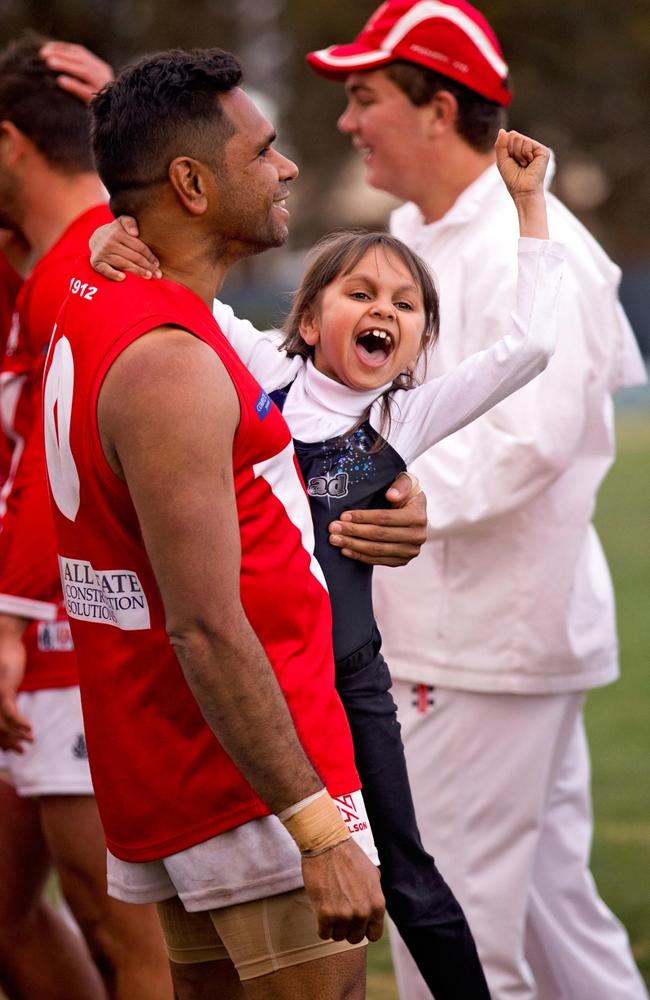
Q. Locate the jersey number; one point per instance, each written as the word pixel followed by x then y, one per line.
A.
pixel 61 468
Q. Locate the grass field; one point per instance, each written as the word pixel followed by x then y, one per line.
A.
pixel 617 716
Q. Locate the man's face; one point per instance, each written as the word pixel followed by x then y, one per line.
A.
pixel 253 179
pixel 388 130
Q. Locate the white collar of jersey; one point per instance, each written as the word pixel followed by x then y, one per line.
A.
pixel 335 396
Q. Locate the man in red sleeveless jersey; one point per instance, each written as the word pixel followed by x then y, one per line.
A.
pixel 51 195
pixel 218 746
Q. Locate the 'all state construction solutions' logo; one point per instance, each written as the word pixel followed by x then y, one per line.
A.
pixel 107 597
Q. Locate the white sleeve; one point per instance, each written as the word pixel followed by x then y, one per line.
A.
pixel 516 451
pixel 432 411
pixel 258 350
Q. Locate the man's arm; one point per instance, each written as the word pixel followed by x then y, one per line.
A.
pixel 170 436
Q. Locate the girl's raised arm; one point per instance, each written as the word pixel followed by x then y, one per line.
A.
pixel 443 405
pixel 522 163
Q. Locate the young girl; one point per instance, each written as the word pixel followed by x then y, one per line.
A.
pixel 364 316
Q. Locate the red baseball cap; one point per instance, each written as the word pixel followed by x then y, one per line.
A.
pixel 450 37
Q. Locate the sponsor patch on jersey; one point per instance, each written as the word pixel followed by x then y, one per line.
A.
pixel 107 596
pixel 263 404
pixel 54 637
pixel 328 486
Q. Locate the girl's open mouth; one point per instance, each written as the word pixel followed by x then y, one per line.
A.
pixel 374 347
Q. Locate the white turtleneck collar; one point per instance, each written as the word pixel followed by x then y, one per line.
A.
pixel 319 408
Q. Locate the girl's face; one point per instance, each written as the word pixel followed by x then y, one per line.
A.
pixel 366 328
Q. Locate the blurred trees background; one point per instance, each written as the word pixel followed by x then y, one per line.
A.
pixel 581 74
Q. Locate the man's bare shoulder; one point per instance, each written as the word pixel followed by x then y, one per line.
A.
pixel 166 383
pixel 166 358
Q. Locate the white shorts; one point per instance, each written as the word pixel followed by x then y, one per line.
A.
pixel 56 763
pixel 252 861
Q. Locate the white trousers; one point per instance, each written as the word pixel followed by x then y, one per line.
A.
pixel 502 793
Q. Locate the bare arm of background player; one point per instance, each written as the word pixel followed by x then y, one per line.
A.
pixel 181 484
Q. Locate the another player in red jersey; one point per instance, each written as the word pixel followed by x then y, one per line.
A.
pixel 15 254
pixel 50 194
pixel 183 528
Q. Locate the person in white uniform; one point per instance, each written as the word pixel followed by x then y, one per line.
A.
pixel 495 633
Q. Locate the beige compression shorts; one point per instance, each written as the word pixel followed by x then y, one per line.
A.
pixel 258 937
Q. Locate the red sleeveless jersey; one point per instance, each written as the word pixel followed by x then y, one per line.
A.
pixel 10 282
pixel 37 304
pixel 29 578
pixel 162 780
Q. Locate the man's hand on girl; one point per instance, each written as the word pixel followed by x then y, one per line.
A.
pixel 385 537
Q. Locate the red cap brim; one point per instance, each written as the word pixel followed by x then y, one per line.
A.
pixel 338 61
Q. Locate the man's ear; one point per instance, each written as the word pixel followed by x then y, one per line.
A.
pixel 192 181
pixel 443 108
pixel 309 327
pixel 13 142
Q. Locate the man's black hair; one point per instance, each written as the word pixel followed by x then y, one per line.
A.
pixel 478 121
pixel 161 107
pixel 55 121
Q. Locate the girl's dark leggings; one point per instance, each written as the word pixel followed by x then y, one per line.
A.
pixel 418 899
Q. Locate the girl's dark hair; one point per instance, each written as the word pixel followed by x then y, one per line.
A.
pixel 339 253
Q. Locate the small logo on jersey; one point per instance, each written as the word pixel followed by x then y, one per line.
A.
pixel 422 698
pixel 350 814
pixel 325 486
pixel 263 404
pixel 54 637
pixel 79 749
